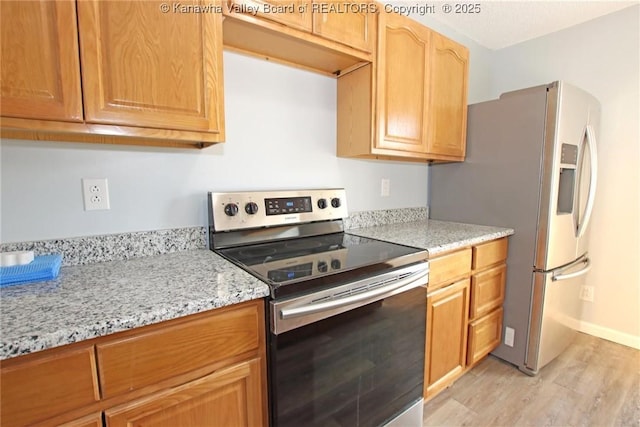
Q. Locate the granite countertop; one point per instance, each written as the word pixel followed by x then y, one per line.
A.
pixel 89 301
pixel 434 236
pixel 93 300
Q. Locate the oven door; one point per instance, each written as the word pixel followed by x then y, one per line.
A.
pixel 361 367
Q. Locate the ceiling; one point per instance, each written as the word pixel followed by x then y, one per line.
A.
pixel 500 24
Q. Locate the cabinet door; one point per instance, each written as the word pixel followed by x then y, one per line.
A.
pixel 484 335
pixel 294 14
pixel 487 290
pixel 448 98
pixel 352 27
pixel 232 397
pixel 446 344
pixel 142 67
pixel 403 76
pixel 47 386
pixel 40 60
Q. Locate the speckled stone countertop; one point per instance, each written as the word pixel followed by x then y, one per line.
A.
pixel 89 301
pixel 434 236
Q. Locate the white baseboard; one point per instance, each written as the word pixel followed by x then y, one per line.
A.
pixel 610 334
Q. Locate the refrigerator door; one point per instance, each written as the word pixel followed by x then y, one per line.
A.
pixel 555 313
pixel 569 175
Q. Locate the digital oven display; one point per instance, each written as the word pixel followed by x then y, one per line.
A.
pixel 287 205
pixel 291 273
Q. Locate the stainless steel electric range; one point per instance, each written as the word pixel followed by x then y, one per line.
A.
pixel 346 314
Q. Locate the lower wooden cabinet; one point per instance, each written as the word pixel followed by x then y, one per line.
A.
pixel 230 397
pixel 464 311
pixel 37 388
pixel 446 350
pixel 207 369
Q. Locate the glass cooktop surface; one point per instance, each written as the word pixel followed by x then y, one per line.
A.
pixel 303 264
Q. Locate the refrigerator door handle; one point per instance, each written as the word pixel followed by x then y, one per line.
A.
pixel 593 155
pixel 559 275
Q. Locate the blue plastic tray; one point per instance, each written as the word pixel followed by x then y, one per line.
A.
pixel 43 267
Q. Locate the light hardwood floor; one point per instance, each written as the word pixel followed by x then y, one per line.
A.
pixel 594 383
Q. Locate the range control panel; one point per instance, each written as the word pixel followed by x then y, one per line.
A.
pixel 253 209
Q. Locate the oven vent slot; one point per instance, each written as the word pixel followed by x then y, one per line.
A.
pixel 363 288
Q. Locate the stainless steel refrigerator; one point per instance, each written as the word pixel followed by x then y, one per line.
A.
pixel 531 165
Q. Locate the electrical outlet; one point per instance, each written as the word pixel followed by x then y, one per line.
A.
pixel 509 336
pixel 384 187
pixel 586 293
pixel 96 194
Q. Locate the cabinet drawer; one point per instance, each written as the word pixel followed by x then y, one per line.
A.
pixel 445 269
pixel 489 253
pixel 47 386
pixel 148 358
pixel 484 335
pixel 487 290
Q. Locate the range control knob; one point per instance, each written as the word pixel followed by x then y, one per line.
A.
pixel 335 202
pixel 322 266
pixel 231 209
pixel 322 203
pixel 251 208
pixel 336 264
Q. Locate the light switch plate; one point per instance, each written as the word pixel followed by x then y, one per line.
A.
pixel 385 187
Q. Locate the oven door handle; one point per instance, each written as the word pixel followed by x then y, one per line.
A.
pixel 402 285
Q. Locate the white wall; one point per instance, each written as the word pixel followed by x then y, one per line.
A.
pixel 281 127
pixel 602 57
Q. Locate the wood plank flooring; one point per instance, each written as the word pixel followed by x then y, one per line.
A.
pixel 594 383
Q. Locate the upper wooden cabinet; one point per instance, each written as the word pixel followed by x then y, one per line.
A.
pixel 403 77
pixel 150 75
pixel 416 97
pixel 295 14
pixel 142 67
pixel 448 98
pixel 150 72
pixel 40 61
pixel 329 37
pixel 352 25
